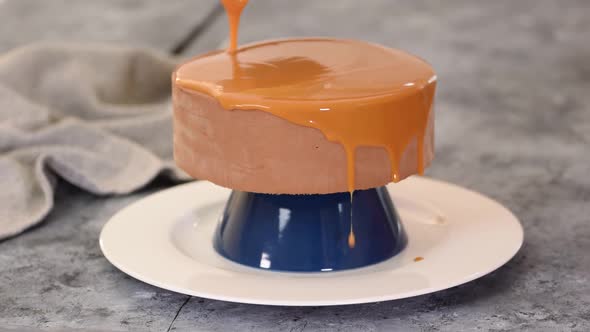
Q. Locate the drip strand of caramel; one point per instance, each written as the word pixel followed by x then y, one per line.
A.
pixel 351 236
pixel 234 9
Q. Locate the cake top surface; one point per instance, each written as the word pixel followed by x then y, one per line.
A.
pixel 317 72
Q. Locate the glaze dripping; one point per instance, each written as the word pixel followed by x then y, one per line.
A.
pixel 351 236
pixel 234 9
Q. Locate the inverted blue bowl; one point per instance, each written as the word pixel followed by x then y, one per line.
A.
pixel 309 233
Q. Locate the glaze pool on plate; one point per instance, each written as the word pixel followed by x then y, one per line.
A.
pixel 166 240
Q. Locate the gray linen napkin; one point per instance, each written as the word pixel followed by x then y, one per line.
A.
pixel 97 116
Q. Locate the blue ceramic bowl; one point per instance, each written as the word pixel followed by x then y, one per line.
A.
pixel 309 233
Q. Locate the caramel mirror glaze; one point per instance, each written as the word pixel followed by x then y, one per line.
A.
pixel 304 116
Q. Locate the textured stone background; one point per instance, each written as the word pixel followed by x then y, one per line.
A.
pixel 513 122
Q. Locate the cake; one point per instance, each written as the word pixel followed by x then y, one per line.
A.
pixel 304 116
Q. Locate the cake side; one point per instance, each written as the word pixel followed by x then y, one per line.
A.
pixel 252 150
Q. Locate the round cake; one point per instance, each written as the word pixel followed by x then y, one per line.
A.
pixel 304 116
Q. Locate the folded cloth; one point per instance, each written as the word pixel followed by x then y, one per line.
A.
pixel 96 116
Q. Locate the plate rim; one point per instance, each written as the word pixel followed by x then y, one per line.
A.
pixel 257 301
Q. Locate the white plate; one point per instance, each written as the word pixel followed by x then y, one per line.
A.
pixel 166 240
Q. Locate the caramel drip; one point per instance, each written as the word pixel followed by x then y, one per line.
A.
pixel 234 9
pixel 350 150
pixel 351 236
pixel 355 93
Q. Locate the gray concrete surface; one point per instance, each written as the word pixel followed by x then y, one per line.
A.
pixel 513 122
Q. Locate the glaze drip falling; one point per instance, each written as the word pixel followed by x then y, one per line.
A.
pixel 351 236
pixel 234 9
